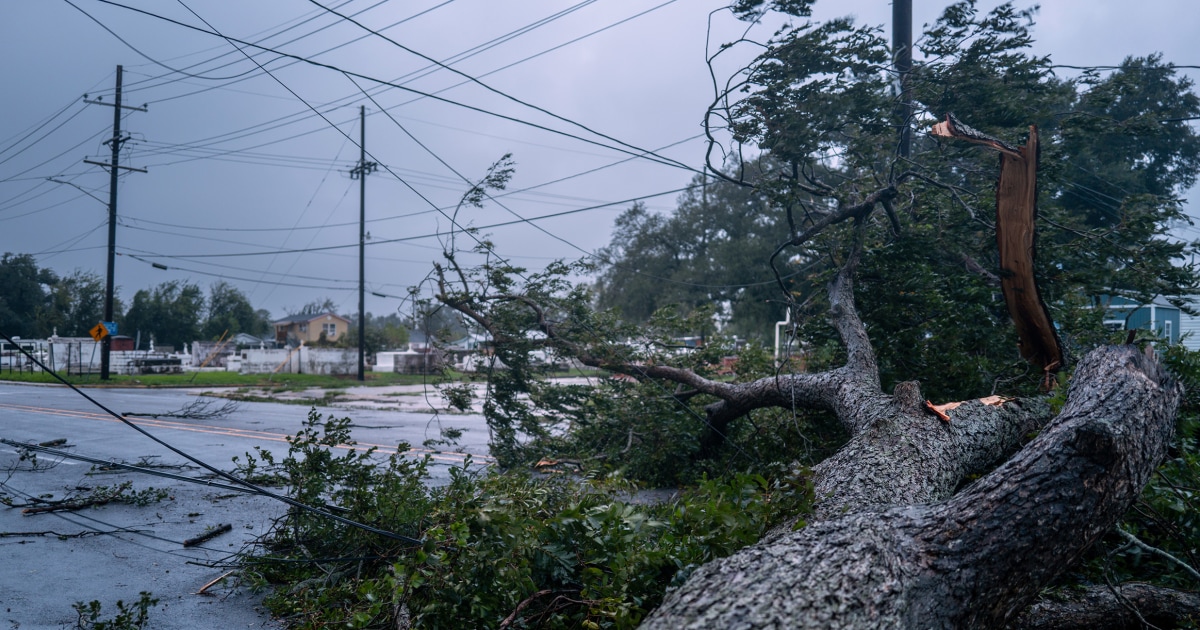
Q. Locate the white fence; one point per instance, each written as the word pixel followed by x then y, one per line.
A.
pixel 302 360
pixel 81 355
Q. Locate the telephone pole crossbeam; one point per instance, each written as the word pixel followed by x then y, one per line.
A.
pixel 96 101
pixel 120 166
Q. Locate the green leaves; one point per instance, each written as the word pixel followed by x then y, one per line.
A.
pixel 574 552
pixel 819 89
pixel 171 312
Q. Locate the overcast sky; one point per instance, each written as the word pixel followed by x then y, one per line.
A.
pixel 240 165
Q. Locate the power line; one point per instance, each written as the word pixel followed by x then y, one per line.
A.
pixel 307 206
pixel 41 164
pixel 39 128
pixel 301 21
pixel 246 75
pixel 298 97
pixel 457 57
pixel 464 178
pixel 256 489
pixel 503 94
pixel 1167 67
pixel 506 193
pixel 116 529
pixel 72 241
pixel 142 253
pixel 224 276
pixel 135 48
pixel 631 151
pixel 452 219
pixel 459 229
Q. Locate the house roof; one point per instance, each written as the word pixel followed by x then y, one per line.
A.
pixel 295 319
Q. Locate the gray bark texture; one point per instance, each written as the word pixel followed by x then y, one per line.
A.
pixel 892 545
pixel 1130 605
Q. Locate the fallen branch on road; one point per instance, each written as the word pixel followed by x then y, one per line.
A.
pixel 209 535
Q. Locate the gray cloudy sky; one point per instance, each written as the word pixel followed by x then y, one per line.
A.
pixel 238 164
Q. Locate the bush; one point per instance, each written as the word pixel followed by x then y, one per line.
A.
pixel 499 550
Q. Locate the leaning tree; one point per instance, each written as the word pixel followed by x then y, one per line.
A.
pixel 900 276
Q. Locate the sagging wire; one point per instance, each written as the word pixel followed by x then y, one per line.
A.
pixel 251 487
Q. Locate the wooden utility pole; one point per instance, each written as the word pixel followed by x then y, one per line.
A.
pixel 360 173
pixel 902 62
pixel 113 167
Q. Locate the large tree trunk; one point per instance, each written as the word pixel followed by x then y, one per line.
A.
pixel 880 554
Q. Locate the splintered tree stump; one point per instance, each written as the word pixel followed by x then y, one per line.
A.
pixel 1016 212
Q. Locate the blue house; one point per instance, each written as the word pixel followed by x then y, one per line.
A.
pixel 1159 316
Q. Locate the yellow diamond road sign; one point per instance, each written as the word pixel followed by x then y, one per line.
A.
pixel 98 332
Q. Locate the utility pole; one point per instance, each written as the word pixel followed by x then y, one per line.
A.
pixel 360 173
pixel 902 62
pixel 113 167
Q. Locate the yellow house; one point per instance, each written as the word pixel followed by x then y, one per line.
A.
pixel 309 328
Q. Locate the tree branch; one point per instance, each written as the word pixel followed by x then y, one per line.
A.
pixel 1137 542
pixel 1100 608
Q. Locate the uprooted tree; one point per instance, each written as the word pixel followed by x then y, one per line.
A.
pixel 924 515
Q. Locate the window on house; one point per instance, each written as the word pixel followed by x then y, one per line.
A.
pixel 1167 330
pixel 303 327
pixel 329 329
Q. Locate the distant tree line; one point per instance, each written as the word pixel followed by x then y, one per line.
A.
pixel 37 302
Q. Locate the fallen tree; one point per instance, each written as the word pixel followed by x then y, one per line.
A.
pixel 885 549
pixel 890 543
pixel 923 515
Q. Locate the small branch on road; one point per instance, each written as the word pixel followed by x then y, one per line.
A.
pixel 210 584
pixel 67 506
pixel 85 534
pixel 208 535
pixel 199 409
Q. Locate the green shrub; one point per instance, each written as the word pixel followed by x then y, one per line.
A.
pixel 542 552
pixel 132 617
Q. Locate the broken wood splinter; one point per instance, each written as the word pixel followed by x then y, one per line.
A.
pixel 1016 219
pixel 942 411
pixel 218 579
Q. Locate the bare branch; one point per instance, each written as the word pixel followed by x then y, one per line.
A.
pixel 953 190
pixel 974 267
pixel 1099 608
pixel 860 355
pixel 1137 542
pixel 844 213
pixel 890 209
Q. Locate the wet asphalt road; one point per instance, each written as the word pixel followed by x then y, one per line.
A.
pixel 49 561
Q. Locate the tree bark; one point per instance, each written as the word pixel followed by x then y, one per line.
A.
pixel 889 557
pixel 1128 606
